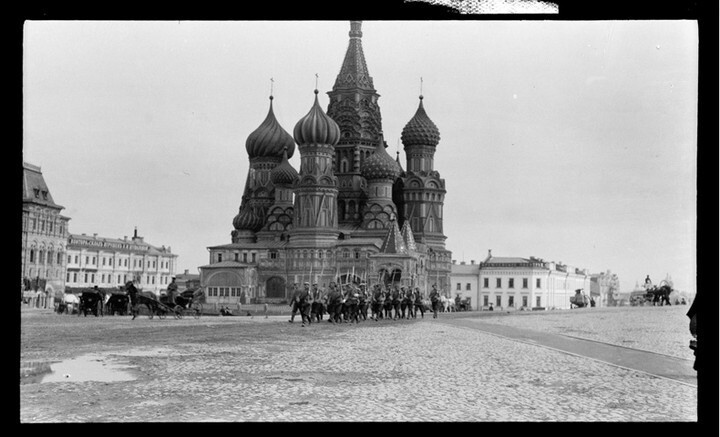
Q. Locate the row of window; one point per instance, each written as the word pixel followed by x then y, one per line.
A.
pixel 35 223
pixel 89 278
pixel 224 291
pixel 274 255
pixel 121 263
pixel 41 257
pixel 498 283
pixel 510 301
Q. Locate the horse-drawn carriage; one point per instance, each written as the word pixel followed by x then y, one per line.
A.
pixel 91 301
pixel 186 304
pixel 580 300
pixel 117 303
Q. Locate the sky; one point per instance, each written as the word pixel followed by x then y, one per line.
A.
pixel 571 141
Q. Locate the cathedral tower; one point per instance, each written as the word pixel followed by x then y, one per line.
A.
pixel 423 189
pixel 353 105
pixel 316 222
pixel 265 147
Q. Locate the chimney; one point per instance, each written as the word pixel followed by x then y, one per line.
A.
pixel 454 261
pixel 135 235
pixel 472 261
pixel 187 272
pixel 462 263
pixel 94 235
pixel 489 253
pixel 125 238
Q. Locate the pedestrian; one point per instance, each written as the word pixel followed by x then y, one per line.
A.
pixel 434 300
pixel 132 293
pixel 692 315
pixel 265 309
pixel 171 290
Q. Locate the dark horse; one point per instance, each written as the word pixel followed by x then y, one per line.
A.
pixel 661 294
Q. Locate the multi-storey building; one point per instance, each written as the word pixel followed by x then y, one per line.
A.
pixel 110 262
pixel 350 214
pixel 44 239
pixel 518 283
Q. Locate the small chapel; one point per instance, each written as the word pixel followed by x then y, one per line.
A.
pixel 349 214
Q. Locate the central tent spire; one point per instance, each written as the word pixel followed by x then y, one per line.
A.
pixel 354 71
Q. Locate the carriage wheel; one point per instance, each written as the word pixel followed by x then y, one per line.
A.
pixel 178 310
pixel 197 310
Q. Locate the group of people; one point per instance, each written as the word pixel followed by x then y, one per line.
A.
pixel 351 303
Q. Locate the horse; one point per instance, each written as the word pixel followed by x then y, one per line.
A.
pixel 446 304
pixel 661 294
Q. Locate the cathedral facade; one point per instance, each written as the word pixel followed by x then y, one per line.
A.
pixel 350 213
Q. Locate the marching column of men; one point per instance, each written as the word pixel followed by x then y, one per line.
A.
pixel 350 303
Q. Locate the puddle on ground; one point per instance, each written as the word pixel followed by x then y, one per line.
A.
pixel 87 368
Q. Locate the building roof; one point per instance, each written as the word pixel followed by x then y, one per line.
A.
pixel 420 130
pixel 134 244
pixel 35 190
pixel 269 139
pixel 226 264
pixel 394 242
pixel 270 244
pixel 506 260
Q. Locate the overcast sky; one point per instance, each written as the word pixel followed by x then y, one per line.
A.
pixel 568 141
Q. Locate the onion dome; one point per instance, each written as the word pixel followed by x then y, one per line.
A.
pixel 316 127
pixel 380 165
pixel 420 130
pixel 269 138
pixel 247 220
pixel 284 173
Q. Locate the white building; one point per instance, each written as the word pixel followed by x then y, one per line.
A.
pixel 109 263
pixel 509 283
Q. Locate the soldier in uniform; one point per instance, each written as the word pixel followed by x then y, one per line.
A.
pixel 317 309
pixel 294 303
pixel 306 301
pixel 334 304
pixel 419 304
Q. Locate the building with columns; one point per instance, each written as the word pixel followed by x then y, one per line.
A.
pixel 112 262
pixel 44 239
pixel 510 283
pixel 350 213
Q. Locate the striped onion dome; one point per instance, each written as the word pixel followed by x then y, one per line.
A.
pixel 316 127
pixel 269 139
pixel 284 173
pixel 380 165
pixel 420 130
pixel 247 220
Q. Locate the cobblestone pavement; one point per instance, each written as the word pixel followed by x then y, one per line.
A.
pixel 374 371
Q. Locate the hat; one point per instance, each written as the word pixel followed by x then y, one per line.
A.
pixel 306 283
